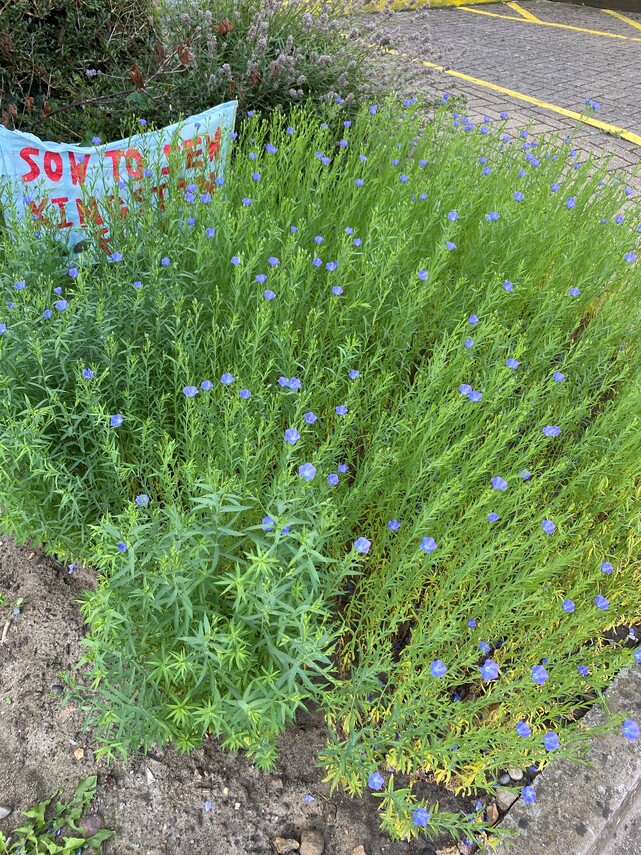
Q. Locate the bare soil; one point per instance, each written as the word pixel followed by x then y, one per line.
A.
pixel 156 804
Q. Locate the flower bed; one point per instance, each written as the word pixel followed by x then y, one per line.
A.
pixel 360 426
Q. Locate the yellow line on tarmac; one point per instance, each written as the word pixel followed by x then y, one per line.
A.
pixel 467 8
pixel 549 24
pixel 523 12
pixel 622 133
pixel 622 18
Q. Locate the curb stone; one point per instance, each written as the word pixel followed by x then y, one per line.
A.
pixel 581 809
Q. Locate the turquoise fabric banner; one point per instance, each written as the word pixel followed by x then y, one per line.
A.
pixel 64 187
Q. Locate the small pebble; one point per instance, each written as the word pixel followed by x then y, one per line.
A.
pixel 492 813
pixel 5 811
pixel 359 850
pixel 91 824
pixel 505 798
pixel 283 845
pixel 312 842
pixel 504 780
pixel 57 689
pixel 515 774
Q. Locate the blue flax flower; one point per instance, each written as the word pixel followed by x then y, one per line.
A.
pixel 420 817
pixel 87 373
pixel 484 647
pixel 292 436
pixel 630 730
pixel 428 544
pixel 393 525
pixel 116 420
pixel 142 500
pixel 206 385
pixel 568 606
pixel 332 479
pixel 310 418
pixel 493 517
pixel 518 196
pixel 498 483
pixel 468 343
pixel 449 245
pixel 422 274
pixel 268 294
pixel 492 216
pixel 523 729
pixel 343 468
pixel 473 320
pixel 122 546
pixel 512 363
pixel 438 668
pixel 475 396
pixel 548 526
pixel 268 524
pixel 452 216
pixel 507 286
pixel 601 602
pixel 606 567
pixel 307 471
pixel 190 391
pixel 341 410
pixel 362 544
pixel 574 292
pixel 551 741
pixel 558 377
pixel 245 394
pixel 375 781
pixel 227 379
pixel 489 670
pixel 528 794
pixel 353 374
pixel 551 430
pixel 539 674
pixel 472 624
pixel 583 670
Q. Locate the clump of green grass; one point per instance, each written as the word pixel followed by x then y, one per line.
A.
pixel 409 353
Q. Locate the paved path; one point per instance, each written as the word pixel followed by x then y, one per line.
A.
pixel 588 53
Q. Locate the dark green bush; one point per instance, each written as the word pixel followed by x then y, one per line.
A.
pixel 71 70
pixel 55 53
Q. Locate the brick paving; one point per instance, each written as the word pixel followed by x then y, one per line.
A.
pixel 556 65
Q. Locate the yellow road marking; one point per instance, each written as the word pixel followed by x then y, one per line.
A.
pixel 622 18
pixel 523 12
pixel 549 24
pixel 467 8
pixel 622 133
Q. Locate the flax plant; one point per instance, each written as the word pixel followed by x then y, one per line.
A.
pixel 360 426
